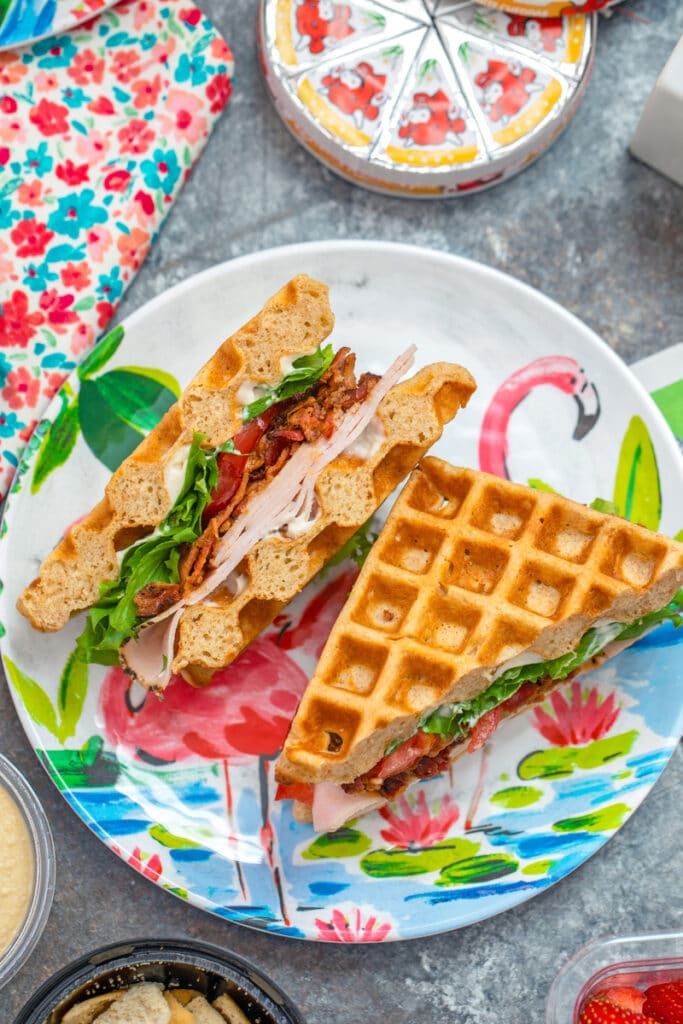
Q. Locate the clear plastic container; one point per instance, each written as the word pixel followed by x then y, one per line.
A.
pixel 633 960
pixel 38 909
pixel 174 963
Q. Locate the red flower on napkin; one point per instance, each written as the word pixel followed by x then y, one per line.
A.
pixel 50 118
pixel 99 128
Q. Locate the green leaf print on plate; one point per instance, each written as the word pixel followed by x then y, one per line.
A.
pixel 637 491
pixel 670 401
pixel 73 685
pixel 516 796
pixel 475 870
pixel 114 410
pixel 34 699
pixel 345 842
pixel 604 820
pixel 562 761
pixel 171 841
pixel 58 443
pixel 399 863
pixel 78 769
pixel 118 409
pixel 101 354
pixel 538 867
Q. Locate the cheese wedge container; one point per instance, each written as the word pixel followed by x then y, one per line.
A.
pixel 27 870
pixel 636 961
pixel 423 98
pixel 174 964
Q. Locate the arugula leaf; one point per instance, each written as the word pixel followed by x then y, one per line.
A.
pixel 201 477
pixel 357 547
pixel 458 719
pixel 306 370
pixel 113 619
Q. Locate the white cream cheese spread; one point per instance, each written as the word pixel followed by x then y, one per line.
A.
pixel 16 870
pixel 248 392
pixel 174 472
pixel 369 442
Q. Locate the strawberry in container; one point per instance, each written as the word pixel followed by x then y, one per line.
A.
pixel 624 980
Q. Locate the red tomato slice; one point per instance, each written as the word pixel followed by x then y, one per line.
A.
pixel 519 699
pixel 301 791
pixel 404 756
pixel 484 729
pixel 231 466
pixel 230 471
pixel 248 436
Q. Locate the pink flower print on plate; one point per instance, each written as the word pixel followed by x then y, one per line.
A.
pixel 352 926
pixel 414 825
pixel 584 718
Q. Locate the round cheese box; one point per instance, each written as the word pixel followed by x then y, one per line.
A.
pixel 423 98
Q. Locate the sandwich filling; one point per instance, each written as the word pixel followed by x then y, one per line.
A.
pixel 441 732
pixel 260 482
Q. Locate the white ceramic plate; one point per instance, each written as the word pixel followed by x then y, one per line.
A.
pixel 183 789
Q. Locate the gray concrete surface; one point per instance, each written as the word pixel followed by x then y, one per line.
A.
pixel 594 230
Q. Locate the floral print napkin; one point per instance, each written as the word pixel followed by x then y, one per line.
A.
pixel 99 128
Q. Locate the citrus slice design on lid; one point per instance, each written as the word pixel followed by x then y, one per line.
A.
pixel 550 8
pixel 423 97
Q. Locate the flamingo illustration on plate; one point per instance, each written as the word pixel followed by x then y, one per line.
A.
pixel 560 372
pixel 241 718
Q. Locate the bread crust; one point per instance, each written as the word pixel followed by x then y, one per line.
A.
pixel 501 554
pixel 293 322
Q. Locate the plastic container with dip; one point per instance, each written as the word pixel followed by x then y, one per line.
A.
pixel 626 960
pixel 27 870
pixel 174 963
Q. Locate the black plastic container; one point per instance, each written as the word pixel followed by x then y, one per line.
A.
pixel 175 963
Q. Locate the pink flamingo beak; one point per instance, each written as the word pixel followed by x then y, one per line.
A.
pixel 588 401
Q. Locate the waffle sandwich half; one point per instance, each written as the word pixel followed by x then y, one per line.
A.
pixel 270 460
pixel 479 596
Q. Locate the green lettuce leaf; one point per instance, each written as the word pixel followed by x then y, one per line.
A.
pixel 114 618
pixel 458 719
pixel 306 370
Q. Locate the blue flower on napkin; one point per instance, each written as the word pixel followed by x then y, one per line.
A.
pixel 75 212
pixel 161 172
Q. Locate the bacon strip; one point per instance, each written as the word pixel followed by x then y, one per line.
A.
pixel 290 492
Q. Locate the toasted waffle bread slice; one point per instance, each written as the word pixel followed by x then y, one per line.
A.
pixel 349 490
pixel 292 323
pixel 469 572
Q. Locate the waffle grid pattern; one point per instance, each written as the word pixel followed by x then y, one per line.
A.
pixel 455 539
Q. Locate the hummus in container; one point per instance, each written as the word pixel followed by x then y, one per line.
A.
pixel 26 870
